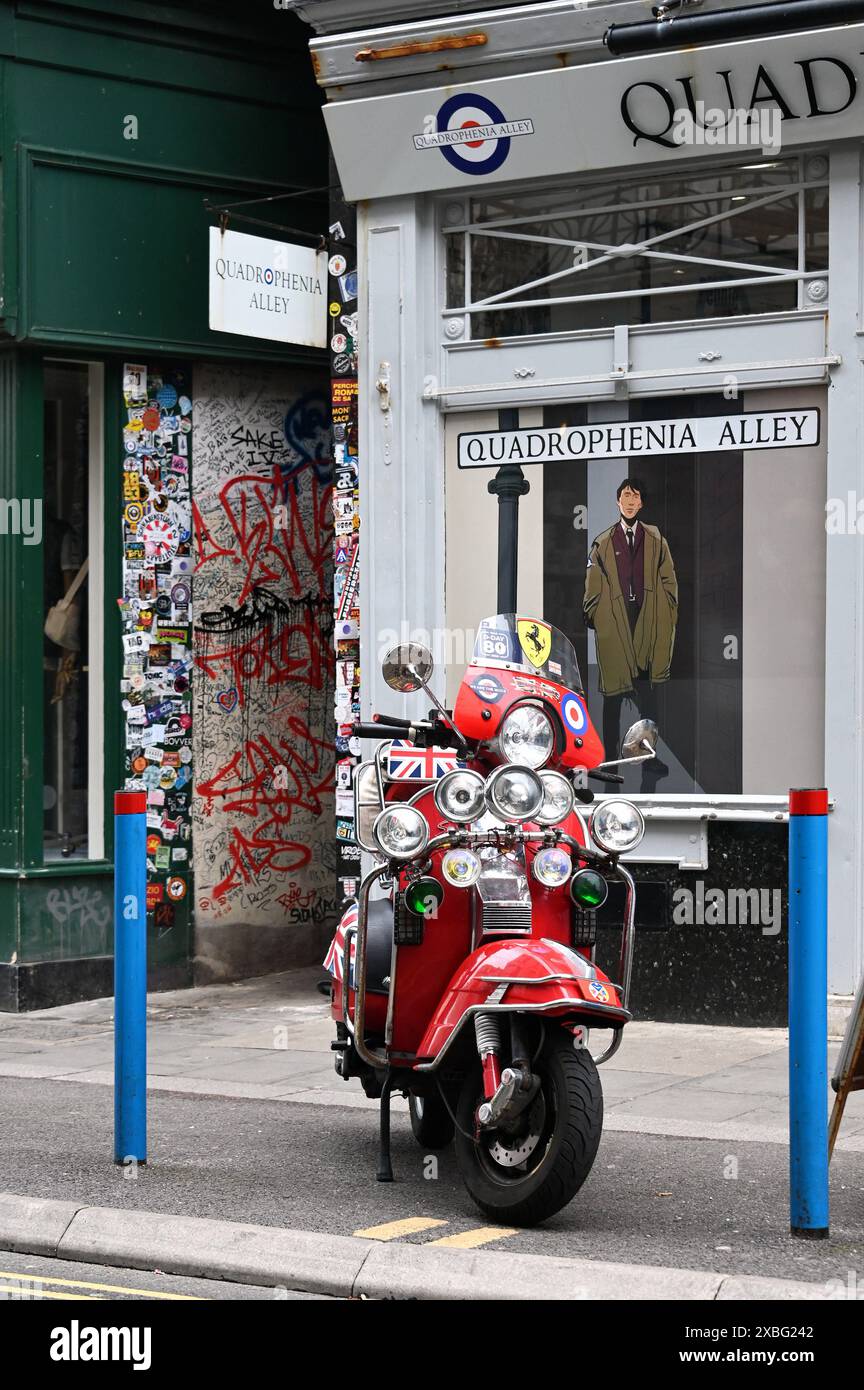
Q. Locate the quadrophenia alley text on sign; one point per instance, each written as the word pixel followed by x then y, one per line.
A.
pixel 764 429
pixel 267 289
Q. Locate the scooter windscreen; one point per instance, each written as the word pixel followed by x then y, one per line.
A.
pixel 522 660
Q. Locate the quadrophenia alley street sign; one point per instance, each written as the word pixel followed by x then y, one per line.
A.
pixel 267 289
pixel 764 429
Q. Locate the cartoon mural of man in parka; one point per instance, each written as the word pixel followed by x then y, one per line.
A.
pixel 631 602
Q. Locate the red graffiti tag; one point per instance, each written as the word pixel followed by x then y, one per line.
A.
pixel 276 653
pixel 270 534
pixel 268 780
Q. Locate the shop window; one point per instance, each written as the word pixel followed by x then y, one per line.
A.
pixel 741 240
pixel 718 634
pixel 72 619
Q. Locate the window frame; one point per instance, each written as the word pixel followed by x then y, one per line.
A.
pixel 770 349
pixel 104 499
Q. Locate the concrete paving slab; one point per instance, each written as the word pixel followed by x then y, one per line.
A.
pixel 275 1065
pixel 305 1260
pixel 179 1064
pixel 34 1225
pixel 750 1131
pixel 196 1057
pixel 693 1049
pixel 256 1090
pixel 619 1086
pixel 36 1069
pixel 348 1097
pixel 16 1047
pixel 754 1080
pixel 749 1287
pixel 421 1271
pixel 683 1103
pixel 316 1035
pixel 37 1027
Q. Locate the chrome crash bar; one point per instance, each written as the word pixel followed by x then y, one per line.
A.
pixel 465 839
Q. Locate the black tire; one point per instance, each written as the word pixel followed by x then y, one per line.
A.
pixel 564 1124
pixel 430 1121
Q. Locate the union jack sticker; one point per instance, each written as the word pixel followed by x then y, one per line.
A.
pixel 407 763
pixel 334 961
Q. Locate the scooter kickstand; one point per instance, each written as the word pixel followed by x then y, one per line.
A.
pixel 385 1167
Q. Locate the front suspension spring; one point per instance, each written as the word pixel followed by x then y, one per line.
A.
pixel 487 1033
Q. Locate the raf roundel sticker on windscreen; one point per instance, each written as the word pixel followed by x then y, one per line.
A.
pixel 472 133
pixel 573 713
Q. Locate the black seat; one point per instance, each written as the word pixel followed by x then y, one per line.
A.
pixel 379 945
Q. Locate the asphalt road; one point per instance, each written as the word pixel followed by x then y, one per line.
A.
pixel 699 1204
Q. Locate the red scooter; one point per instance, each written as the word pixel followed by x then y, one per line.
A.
pixel 470 983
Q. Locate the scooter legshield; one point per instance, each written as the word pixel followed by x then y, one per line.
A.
pixel 542 977
pixel 334 963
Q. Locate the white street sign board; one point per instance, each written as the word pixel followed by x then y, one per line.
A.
pixel 267 289
pixel 764 429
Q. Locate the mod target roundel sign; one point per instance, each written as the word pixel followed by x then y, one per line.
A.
pixel 573 713
pixel 472 133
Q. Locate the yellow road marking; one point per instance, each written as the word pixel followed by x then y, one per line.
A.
pixel 29 1293
pixel 469 1240
pixel 106 1288
pixel 391 1230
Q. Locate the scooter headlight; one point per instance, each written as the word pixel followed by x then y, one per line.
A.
pixel 514 794
pixel 552 867
pixel 461 867
pixel 527 736
pixel 617 826
pixel 400 832
pixel 558 799
pixel 460 795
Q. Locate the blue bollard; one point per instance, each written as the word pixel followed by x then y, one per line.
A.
pixel 130 977
pixel 808 1013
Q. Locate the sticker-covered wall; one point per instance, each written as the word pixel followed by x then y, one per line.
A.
pixel 343 311
pixel 157 658
pixel 264 858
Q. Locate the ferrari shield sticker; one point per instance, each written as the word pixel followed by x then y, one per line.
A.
pixel 535 639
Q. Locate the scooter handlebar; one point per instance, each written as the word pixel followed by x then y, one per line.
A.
pixel 422 732
pixel 382 730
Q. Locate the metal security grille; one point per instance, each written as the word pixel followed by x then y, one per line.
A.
pixel 511 918
pixel 746 239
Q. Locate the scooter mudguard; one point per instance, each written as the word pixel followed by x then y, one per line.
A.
pixel 542 976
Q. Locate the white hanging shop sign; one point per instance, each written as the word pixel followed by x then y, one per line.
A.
pixel 603 115
pixel 267 289
pixel 764 429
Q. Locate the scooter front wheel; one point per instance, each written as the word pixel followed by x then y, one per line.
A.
pixel 527 1171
